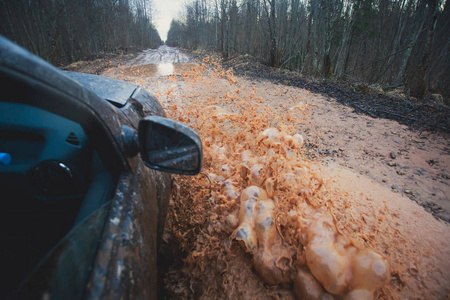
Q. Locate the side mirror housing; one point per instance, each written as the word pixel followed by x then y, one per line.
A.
pixel 169 146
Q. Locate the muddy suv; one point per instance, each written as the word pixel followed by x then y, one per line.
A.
pixel 84 164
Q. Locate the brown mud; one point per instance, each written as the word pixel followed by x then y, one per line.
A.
pixel 326 172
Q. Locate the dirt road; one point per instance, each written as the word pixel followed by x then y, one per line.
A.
pixel 386 186
pixel 162 55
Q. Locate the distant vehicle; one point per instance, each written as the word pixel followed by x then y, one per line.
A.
pixel 82 213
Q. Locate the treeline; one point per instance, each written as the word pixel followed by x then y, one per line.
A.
pixel 390 42
pixel 63 31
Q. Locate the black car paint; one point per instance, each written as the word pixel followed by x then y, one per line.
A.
pixel 124 260
pixel 106 87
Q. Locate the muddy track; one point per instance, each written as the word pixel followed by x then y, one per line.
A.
pixel 371 166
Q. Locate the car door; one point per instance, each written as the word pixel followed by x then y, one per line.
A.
pixel 112 204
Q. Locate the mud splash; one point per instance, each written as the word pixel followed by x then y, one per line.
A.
pixel 329 264
pixel 282 220
pixel 301 208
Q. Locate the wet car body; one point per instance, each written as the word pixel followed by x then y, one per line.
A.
pixel 81 213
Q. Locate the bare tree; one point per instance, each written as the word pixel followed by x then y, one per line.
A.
pixel 64 31
pixel 389 42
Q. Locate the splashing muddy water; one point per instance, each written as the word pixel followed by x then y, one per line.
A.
pixel 312 231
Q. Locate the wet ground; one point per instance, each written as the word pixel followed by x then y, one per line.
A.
pixel 152 70
pixel 312 163
pixel 162 55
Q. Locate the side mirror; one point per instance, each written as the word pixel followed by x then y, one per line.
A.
pixel 169 146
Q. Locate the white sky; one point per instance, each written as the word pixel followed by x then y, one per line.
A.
pixel 165 11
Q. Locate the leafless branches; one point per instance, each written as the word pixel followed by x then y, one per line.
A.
pixel 63 31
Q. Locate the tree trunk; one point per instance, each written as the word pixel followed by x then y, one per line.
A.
pixel 272 35
pixel 419 86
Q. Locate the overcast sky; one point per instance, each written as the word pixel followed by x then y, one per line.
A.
pixel 166 10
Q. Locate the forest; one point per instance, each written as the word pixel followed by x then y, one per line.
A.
pixel 392 43
pixel 64 31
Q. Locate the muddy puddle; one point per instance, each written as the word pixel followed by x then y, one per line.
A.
pixel 156 70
